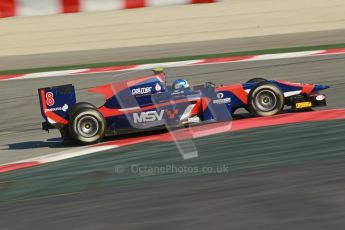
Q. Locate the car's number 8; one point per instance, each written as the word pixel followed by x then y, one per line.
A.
pixel 50 99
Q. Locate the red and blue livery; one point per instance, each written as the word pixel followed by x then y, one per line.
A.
pixel 147 103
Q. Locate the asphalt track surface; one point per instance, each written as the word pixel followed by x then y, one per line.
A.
pixel 300 196
pixel 21 137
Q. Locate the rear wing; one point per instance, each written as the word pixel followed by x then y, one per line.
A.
pixel 55 103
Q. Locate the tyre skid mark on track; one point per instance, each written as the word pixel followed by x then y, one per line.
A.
pixel 192 132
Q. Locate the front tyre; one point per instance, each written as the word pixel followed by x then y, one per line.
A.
pixel 256 80
pixel 87 126
pixel 266 99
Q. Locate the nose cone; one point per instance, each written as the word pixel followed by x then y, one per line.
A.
pixel 321 87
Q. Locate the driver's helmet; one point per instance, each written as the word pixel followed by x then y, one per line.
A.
pixel 180 84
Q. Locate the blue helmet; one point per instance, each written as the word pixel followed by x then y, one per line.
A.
pixel 180 84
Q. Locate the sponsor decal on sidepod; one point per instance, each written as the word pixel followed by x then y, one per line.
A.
pixel 146 90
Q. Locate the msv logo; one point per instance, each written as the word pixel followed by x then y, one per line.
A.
pixel 148 116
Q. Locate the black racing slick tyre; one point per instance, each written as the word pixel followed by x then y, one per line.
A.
pixel 87 126
pixel 81 105
pixel 256 80
pixel 266 99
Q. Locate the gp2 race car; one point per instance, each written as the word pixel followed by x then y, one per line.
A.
pixel 147 102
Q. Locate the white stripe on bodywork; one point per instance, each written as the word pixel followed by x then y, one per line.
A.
pixel 193 98
pixel 187 112
pixel 129 109
pixel 292 93
pixel 51 121
pixel 286 94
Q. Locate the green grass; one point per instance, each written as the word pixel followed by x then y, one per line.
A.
pixel 173 59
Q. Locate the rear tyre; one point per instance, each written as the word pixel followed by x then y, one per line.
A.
pixel 81 105
pixel 256 80
pixel 87 126
pixel 266 99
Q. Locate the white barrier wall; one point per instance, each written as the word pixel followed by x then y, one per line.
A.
pixel 10 8
pixel 167 25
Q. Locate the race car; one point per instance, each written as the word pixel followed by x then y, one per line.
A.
pixel 148 102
